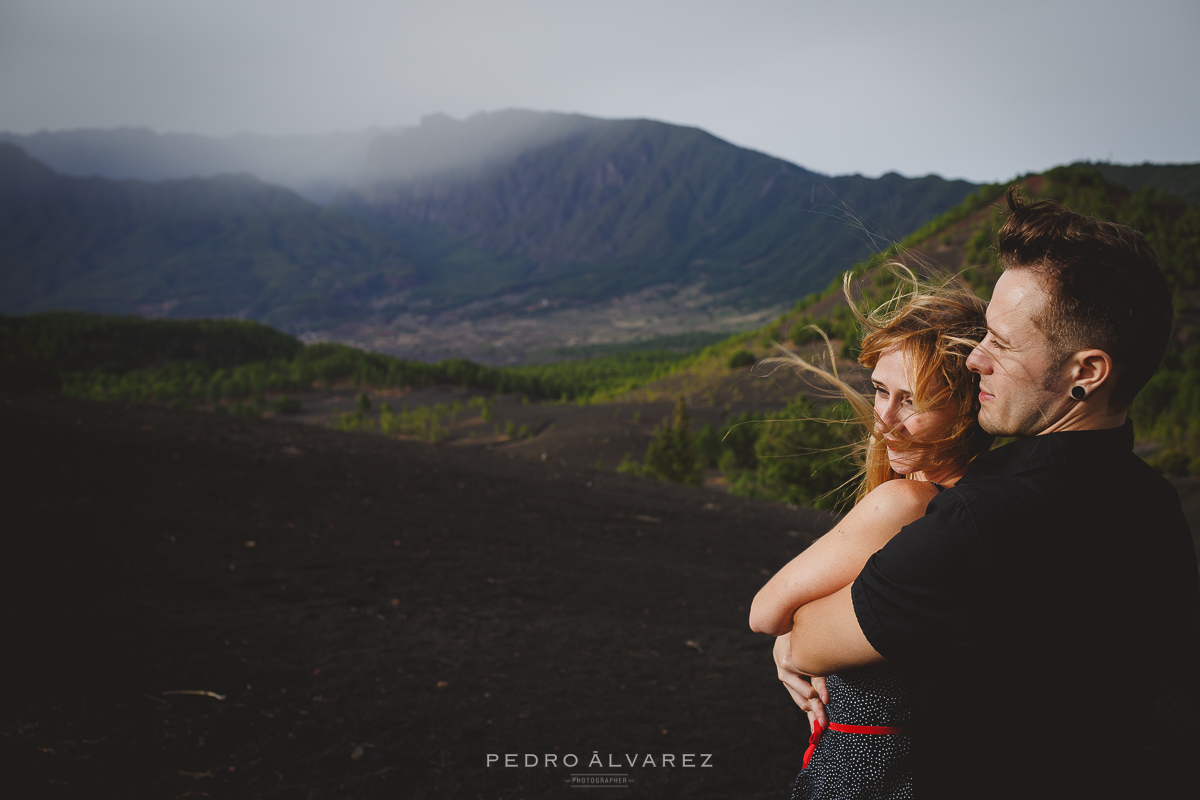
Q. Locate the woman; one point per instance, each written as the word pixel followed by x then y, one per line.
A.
pixel 921 435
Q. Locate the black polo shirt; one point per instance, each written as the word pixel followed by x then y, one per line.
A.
pixel 1038 609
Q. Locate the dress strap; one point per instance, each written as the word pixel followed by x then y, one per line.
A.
pixel 938 486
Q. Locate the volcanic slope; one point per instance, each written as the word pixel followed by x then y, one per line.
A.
pixel 372 617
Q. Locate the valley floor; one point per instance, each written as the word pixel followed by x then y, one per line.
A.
pixel 530 331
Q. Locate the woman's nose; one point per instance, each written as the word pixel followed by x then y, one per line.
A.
pixel 888 415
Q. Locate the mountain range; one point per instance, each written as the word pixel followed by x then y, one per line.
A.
pixel 445 223
pixel 230 246
pixel 317 167
pixel 600 208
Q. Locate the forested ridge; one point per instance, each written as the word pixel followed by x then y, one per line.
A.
pixel 210 362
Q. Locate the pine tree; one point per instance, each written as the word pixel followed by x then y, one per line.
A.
pixel 672 455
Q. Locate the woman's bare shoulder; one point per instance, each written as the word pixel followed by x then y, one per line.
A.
pixel 902 500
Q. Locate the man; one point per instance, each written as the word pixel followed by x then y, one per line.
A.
pixel 1045 601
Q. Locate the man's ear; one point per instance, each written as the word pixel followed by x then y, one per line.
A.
pixel 1093 370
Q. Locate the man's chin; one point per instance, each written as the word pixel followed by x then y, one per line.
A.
pixel 1010 429
pixel 995 427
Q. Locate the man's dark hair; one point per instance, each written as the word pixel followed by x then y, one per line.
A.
pixel 1105 286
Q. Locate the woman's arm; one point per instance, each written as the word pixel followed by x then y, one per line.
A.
pixel 834 561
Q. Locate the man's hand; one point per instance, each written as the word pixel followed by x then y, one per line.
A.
pixel 809 693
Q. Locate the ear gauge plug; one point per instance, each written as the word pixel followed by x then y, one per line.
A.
pixel 1078 392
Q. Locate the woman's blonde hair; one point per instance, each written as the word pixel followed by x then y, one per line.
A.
pixel 936 324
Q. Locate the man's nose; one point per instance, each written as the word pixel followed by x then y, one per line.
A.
pixel 977 361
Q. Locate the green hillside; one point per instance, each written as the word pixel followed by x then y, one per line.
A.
pixel 1181 180
pixel 1167 412
pixel 227 246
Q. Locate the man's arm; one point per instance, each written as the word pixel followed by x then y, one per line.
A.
pixel 913 597
pixel 827 638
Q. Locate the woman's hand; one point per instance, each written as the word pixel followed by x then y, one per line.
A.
pixel 808 692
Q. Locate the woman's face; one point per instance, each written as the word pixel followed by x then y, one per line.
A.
pixel 896 416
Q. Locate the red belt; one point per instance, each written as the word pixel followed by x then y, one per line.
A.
pixel 837 726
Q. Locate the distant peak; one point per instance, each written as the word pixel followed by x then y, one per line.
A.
pixel 438 119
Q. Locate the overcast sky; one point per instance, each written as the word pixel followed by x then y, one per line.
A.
pixel 984 91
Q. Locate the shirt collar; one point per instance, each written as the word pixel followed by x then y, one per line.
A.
pixel 1050 449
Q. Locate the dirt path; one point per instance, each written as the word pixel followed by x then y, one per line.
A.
pixel 378 616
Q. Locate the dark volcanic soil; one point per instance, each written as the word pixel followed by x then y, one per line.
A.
pixel 376 616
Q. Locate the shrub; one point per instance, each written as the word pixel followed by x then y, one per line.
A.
pixel 708 446
pixel 354 421
pixel 742 358
pixel 286 405
pixel 738 441
pixel 241 409
pixel 628 466
pixel 1172 462
pixel 672 454
pixel 804 460
pixel 484 404
pixel 804 333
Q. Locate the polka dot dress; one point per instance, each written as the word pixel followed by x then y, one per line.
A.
pixel 860 765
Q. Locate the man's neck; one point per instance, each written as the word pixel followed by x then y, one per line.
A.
pixel 1080 419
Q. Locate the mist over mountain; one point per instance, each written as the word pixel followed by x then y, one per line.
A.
pixel 450 148
pixel 445 224
pixel 315 166
pixel 580 209
pixel 230 246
